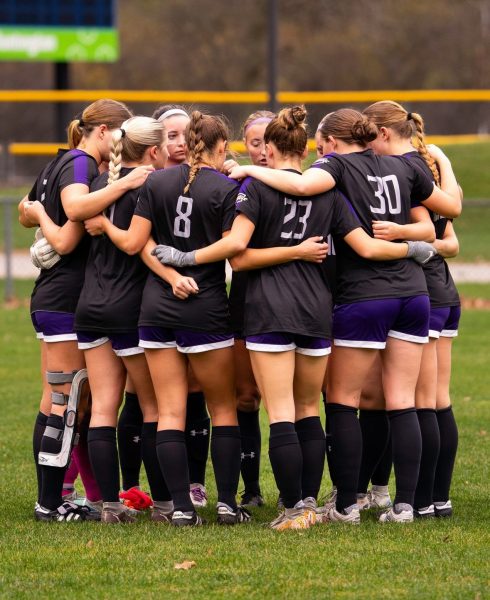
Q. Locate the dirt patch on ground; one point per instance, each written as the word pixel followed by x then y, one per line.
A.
pixel 475 303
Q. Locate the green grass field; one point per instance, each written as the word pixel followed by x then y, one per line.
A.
pixel 470 163
pixel 438 559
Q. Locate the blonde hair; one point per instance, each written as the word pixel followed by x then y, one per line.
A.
pixel 392 115
pixel 288 130
pixel 201 135
pixel 348 125
pixel 101 112
pixel 259 115
pixel 131 140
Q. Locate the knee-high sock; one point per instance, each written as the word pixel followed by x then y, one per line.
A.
pixel 407 450
pixel 328 443
pixel 225 454
pixel 37 436
pixel 375 430
pixel 312 441
pixel 448 431
pixel 102 449
pixel 81 457
pixel 52 477
pixel 347 449
pixel 129 441
pixel 286 461
pixel 158 486
pixel 197 429
pixel 172 456
pixel 429 430
pixel 251 448
pixel 382 472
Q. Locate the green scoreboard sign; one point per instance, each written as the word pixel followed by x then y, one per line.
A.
pixel 58 30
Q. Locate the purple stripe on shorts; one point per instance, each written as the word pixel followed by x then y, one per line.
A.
pixel 53 323
pixel 188 339
pixel 286 339
pixel 438 318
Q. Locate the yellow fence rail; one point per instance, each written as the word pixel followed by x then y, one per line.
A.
pixel 220 97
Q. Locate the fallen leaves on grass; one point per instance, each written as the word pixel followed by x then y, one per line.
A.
pixel 482 432
pixel 186 565
pixel 90 544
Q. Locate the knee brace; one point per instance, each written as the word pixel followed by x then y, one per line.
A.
pixel 71 400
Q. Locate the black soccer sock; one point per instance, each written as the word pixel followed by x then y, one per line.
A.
pixel 129 441
pixel 197 427
pixel 347 450
pixel 37 435
pixel 407 449
pixel 312 441
pixel 225 454
pixel 429 430
pixel 102 450
pixel 158 487
pixel 52 477
pixel 328 443
pixel 448 431
pixel 375 430
pixel 286 461
pixel 172 456
pixel 251 447
pixel 382 472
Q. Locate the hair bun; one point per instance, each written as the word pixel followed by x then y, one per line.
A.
pixel 364 131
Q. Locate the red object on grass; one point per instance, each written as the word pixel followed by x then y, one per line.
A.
pixel 136 499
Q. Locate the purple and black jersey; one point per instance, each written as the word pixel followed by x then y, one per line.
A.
pixel 188 222
pixel 58 288
pixel 442 289
pixel 111 296
pixel 293 297
pixel 383 188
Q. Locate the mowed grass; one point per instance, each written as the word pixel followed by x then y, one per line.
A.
pixel 470 163
pixel 438 559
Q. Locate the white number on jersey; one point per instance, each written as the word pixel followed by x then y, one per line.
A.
pixel 182 223
pixel 385 198
pixel 306 204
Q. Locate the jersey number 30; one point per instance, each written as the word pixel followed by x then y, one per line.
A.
pixel 382 193
pixel 300 226
pixel 182 223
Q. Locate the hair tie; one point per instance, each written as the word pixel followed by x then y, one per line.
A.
pixel 123 132
pixel 409 116
pixel 81 123
pixel 171 112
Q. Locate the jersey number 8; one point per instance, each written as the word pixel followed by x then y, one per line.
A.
pixel 182 223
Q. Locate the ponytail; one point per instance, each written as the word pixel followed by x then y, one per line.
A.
pixel 348 125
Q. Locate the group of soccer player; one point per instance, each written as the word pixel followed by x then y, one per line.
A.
pixel 343 263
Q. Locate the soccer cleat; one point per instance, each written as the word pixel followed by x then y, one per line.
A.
pixel 251 499
pixel 427 512
pixel 69 494
pixel 330 499
pixel 350 514
pixel 363 502
pixel 111 513
pixel 291 519
pixel 228 516
pixel 186 519
pixel 67 512
pixel 443 509
pixel 199 497
pixel 400 513
pixel 314 512
pixel 162 511
pixel 379 497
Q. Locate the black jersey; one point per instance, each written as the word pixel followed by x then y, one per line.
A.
pixel 442 289
pixel 58 289
pixel 111 296
pixel 384 188
pixel 293 297
pixel 188 222
pixel 238 292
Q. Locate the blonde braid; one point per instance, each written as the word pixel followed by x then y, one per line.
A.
pixel 115 162
pixel 422 148
pixel 195 146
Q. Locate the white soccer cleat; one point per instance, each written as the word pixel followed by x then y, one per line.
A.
pixel 350 515
pixel 400 513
